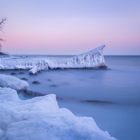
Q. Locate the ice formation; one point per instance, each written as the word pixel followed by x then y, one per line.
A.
pixel 40 118
pixel 12 82
pixel 91 59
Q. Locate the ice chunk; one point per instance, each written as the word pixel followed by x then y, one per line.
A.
pixel 12 82
pixel 40 118
pixel 38 67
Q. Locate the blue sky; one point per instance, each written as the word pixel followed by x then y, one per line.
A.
pixel 71 26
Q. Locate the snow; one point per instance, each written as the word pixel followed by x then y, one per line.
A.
pixel 12 82
pixel 41 118
pixel 91 59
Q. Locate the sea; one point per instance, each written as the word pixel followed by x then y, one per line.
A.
pixel 111 96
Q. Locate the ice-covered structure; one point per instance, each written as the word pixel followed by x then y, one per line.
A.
pixel 12 82
pixel 91 59
pixel 40 118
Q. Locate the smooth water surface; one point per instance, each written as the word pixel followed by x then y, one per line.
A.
pixel 111 97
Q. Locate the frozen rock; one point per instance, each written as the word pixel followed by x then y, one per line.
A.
pixel 39 67
pixel 34 70
pixel 12 82
pixel 40 118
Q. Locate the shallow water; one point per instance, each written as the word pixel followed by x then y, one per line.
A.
pixel 111 97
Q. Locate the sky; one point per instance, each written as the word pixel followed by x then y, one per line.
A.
pixel 71 26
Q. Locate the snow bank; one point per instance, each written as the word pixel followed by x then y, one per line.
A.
pixel 12 82
pixel 91 59
pixel 40 118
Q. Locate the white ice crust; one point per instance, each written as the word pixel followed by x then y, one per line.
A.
pixel 91 59
pixel 41 118
pixel 12 82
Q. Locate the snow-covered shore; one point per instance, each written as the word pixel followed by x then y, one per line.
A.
pixel 91 59
pixel 42 118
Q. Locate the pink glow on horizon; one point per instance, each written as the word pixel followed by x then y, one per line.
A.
pixel 70 27
pixel 69 38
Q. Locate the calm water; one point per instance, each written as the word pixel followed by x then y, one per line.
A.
pixel 111 97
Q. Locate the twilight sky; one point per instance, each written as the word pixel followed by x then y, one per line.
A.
pixel 71 26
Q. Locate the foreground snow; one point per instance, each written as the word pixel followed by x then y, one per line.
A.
pixel 41 118
pixel 12 82
pixel 91 59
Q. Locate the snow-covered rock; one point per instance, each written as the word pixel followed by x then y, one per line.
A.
pixel 12 82
pixel 40 118
pixel 91 59
pixel 34 70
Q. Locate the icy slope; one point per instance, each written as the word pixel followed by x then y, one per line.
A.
pixel 91 59
pixel 41 118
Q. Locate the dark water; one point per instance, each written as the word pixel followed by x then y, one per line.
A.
pixel 111 97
